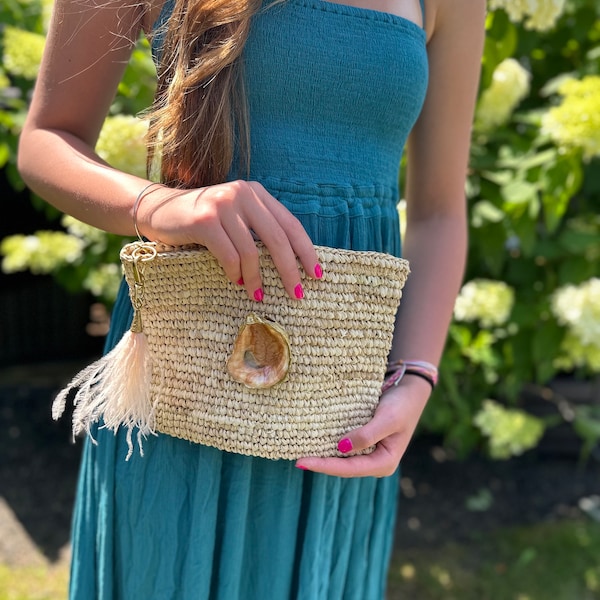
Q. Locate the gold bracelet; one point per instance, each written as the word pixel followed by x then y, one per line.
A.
pixel 136 205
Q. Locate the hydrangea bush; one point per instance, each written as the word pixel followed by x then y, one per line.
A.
pixel 529 310
pixel 80 257
pixel 540 15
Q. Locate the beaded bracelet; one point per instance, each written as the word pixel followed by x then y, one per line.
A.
pixel 136 205
pixel 399 368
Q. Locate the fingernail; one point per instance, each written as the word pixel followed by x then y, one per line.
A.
pixel 345 445
pixel 259 295
pixel 299 292
pixel 301 467
pixel 318 271
pixel 240 281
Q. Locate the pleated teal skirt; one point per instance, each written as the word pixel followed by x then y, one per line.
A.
pixel 186 521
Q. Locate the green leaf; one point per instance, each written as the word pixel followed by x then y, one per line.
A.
pixel 485 212
pixel 587 425
pixel 575 270
pixel 461 335
pixel 549 249
pixel 524 315
pixel 578 242
pixel 529 161
pixel 560 181
pixel 4 154
pixel 545 346
pixel 519 192
pixel 488 249
pixel 525 228
pixel 500 43
pixel 500 177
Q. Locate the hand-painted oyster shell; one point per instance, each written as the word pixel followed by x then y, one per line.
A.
pixel 261 353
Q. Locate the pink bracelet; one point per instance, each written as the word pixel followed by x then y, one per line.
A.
pixel 399 368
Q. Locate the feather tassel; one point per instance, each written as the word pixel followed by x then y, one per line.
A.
pixel 115 388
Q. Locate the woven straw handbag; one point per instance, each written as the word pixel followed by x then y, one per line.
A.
pixel 279 379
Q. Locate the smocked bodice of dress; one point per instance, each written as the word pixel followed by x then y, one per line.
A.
pixel 333 91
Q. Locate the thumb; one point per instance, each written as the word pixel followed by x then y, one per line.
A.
pixel 385 422
pixel 364 437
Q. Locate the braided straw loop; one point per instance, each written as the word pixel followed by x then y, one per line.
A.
pixel 339 338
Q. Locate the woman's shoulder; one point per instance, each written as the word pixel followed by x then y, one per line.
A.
pixel 441 13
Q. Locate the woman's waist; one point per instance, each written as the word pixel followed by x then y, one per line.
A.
pixel 331 199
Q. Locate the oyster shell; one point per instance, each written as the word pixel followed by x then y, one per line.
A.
pixel 261 353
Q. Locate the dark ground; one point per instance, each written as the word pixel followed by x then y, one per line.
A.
pixel 443 499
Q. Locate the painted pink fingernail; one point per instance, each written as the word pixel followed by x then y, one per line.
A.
pixel 259 295
pixel 240 281
pixel 302 467
pixel 299 292
pixel 318 271
pixel 345 445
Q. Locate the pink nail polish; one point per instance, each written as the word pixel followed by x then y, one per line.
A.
pixel 299 292
pixel 318 271
pixel 345 445
pixel 240 281
pixel 301 467
pixel 259 295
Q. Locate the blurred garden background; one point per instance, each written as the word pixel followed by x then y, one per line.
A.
pixel 501 488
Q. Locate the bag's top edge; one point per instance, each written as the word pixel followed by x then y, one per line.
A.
pixel 164 250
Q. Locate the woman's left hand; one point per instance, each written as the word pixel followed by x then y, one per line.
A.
pixel 390 430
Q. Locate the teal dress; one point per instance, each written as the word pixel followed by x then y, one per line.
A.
pixel 333 92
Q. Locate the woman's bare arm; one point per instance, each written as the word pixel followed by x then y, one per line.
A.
pixel 88 47
pixel 436 238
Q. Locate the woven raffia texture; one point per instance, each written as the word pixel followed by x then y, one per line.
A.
pixel 340 335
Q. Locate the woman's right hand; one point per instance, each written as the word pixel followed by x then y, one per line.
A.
pixel 86 53
pixel 226 218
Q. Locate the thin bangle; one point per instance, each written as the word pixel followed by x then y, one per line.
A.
pixel 136 206
pixel 398 369
pixel 422 376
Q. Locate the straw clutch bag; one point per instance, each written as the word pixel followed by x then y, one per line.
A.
pixel 278 379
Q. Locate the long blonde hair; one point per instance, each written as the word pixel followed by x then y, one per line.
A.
pixel 199 111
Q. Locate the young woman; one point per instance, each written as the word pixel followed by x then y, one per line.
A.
pixel 286 121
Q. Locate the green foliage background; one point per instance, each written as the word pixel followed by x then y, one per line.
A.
pixel 534 200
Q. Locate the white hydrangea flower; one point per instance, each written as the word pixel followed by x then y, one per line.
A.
pixel 122 144
pixel 576 355
pixel 104 281
pixel 575 122
pixel 22 52
pixel 510 85
pixel 42 253
pixel 578 308
pixel 485 301
pixel 510 431
pixel 540 15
